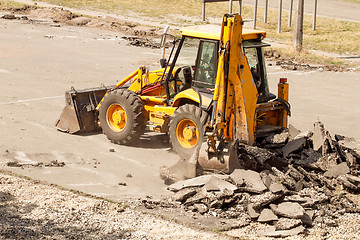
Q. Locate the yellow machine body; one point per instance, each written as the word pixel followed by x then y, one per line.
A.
pixel 236 105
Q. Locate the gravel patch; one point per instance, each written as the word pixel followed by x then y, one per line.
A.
pixel 33 210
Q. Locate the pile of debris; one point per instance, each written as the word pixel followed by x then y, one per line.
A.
pixel 294 181
pixel 54 163
pixel 142 42
pixel 137 35
pixel 291 63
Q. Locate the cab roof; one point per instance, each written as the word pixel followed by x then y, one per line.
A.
pixel 213 32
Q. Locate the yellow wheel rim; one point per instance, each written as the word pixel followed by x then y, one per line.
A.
pixel 187 133
pixel 116 117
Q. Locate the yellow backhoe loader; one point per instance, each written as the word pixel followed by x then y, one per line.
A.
pixel 211 92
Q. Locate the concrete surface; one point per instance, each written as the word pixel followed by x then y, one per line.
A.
pixel 38 63
pixel 331 97
pixel 35 72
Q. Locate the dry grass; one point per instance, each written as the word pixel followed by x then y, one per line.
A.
pixel 9 4
pixel 309 57
pixel 331 35
pixel 353 1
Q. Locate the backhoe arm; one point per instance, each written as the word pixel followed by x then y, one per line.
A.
pixel 235 93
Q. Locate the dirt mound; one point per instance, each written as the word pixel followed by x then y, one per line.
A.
pixel 56 14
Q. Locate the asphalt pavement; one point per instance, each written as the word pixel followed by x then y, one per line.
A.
pixel 38 63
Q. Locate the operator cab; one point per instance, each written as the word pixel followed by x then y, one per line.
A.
pixel 197 59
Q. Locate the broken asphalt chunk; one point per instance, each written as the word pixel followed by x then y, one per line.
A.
pixel 201 208
pixel 318 136
pixel 195 182
pixel 278 138
pixel 335 171
pixel 9 17
pixel 285 179
pixel 267 215
pixel 248 180
pixel 347 184
pixel 353 179
pixel 294 145
pixel 277 187
pixel 293 132
pixel 288 209
pixel 252 212
pixel 306 220
pixel 184 194
pixel 271 232
pixel 286 223
pixel 197 198
pixel 264 199
pixel 216 184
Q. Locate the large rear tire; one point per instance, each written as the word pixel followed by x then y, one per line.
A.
pixel 122 116
pixel 186 129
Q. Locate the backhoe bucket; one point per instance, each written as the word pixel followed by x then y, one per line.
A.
pixel 79 113
pixel 225 161
pixel 201 162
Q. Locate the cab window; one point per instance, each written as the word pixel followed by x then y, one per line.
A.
pixel 206 65
pixel 255 58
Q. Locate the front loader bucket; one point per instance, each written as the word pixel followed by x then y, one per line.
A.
pixel 79 113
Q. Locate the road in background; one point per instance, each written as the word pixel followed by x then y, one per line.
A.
pixel 38 63
pixel 330 8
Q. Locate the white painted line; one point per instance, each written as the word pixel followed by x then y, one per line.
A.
pixel 293 72
pixel 275 73
pixel 85 184
pixel 4 71
pixel 305 73
pixel 22 158
pixel 127 159
pixel 31 100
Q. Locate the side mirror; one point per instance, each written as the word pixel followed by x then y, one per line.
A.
pixel 163 37
pixel 163 46
pixel 163 62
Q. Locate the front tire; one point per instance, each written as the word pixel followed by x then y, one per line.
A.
pixel 122 116
pixel 186 129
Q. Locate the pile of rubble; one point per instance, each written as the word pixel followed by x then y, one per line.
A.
pixel 291 63
pixel 137 35
pixel 54 163
pixel 294 181
pixel 142 42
